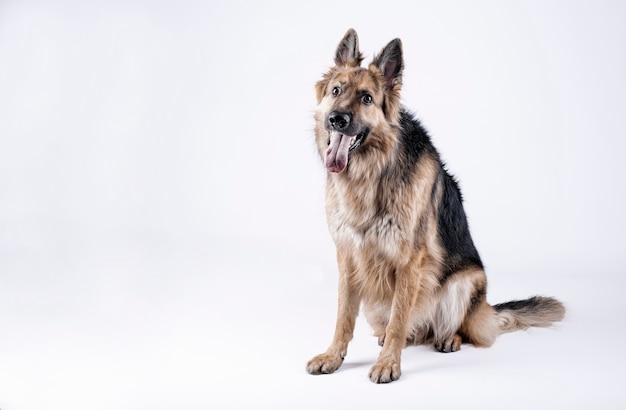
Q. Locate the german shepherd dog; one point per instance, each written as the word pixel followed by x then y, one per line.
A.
pixel 404 249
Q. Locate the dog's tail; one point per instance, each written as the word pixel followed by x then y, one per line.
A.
pixel 537 311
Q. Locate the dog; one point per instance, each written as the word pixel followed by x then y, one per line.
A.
pixel 404 249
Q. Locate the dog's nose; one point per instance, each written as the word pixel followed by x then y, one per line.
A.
pixel 338 120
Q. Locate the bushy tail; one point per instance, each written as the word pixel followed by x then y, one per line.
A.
pixel 539 311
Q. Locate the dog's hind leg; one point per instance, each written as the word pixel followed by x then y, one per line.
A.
pixel 347 311
pixel 461 295
pixel 377 315
pixel 450 344
pixel 481 326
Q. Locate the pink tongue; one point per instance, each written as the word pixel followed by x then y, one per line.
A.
pixel 337 153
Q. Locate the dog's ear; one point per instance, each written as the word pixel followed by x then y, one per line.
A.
pixel 320 87
pixel 390 63
pixel 348 50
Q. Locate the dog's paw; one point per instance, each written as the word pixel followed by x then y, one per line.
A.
pixel 451 344
pixel 385 371
pixel 324 364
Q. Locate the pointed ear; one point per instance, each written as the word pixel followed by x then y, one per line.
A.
pixel 348 50
pixel 390 62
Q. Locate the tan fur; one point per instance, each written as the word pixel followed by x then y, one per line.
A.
pixel 389 253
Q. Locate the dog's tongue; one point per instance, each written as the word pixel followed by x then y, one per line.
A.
pixel 337 153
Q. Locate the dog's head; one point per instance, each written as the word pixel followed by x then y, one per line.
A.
pixel 357 107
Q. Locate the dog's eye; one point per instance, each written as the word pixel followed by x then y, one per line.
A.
pixel 335 91
pixel 367 99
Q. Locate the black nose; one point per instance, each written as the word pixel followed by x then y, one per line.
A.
pixel 338 120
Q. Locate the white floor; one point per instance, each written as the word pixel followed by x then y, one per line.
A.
pixel 201 330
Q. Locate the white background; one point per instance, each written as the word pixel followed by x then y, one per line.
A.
pixel 162 233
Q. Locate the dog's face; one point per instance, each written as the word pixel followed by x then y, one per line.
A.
pixel 356 105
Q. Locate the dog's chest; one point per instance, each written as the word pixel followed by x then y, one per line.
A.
pixel 360 220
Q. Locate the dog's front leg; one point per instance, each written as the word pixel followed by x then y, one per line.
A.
pixel 347 311
pixel 387 368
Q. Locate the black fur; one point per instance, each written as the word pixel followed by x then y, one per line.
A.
pixel 454 232
pixel 453 227
pixel 534 303
pixel 414 141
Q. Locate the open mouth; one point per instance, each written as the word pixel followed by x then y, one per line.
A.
pixel 356 141
pixel 340 147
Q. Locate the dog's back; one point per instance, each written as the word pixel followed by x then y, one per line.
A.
pixel 404 247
